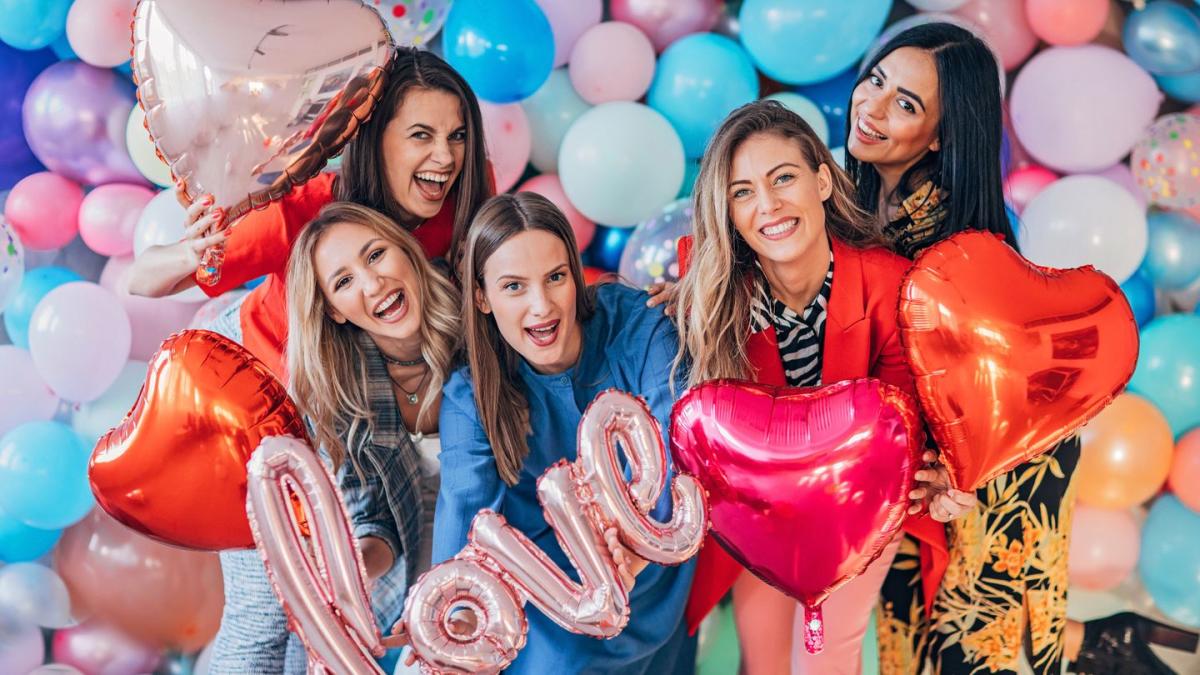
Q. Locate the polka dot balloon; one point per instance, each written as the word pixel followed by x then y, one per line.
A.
pixel 413 23
pixel 1166 162
pixel 650 256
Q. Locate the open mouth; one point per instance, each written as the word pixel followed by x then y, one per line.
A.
pixel 868 132
pixel 543 334
pixel 780 229
pixel 432 184
pixel 391 308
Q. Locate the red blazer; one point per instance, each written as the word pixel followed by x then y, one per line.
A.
pixel 861 340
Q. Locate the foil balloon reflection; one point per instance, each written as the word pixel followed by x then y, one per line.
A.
pixel 806 486
pixel 175 467
pixel 1010 358
pixel 501 568
pixel 323 593
pixel 246 98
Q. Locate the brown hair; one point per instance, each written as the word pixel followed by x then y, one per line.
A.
pixel 713 297
pixel 499 396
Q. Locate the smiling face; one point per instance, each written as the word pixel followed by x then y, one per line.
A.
pixel 776 202
pixel 370 282
pixel 528 289
pixel 895 112
pixel 423 148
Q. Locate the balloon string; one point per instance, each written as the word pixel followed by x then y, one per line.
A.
pixel 814 629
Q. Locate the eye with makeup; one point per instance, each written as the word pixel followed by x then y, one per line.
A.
pixel 459 136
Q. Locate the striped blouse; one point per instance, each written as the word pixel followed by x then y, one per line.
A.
pixel 800 335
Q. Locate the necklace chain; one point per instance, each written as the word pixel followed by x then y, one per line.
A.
pixel 413 396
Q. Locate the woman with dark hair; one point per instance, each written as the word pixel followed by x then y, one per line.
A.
pixel 419 159
pixel 540 345
pixel 923 147
pixel 786 283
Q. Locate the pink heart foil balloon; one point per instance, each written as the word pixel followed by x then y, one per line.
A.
pixel 806 486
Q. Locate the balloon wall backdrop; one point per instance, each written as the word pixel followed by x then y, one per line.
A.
pixel 604 107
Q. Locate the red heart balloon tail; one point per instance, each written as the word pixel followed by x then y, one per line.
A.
pixel 814 629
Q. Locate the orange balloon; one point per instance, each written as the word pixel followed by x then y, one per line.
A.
pixel 162 595
pixel 1185 470
pixel 1067 23
pixel 1126 454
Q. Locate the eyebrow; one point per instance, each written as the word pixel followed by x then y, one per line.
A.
pixel 776 168
pixel 517 277
pixel 907 92
pixel 361 252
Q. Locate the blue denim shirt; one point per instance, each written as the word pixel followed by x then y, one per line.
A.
pixel 628 346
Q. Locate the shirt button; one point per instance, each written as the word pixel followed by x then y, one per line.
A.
pixel 564 380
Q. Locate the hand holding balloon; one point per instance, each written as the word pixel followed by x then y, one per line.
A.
pixel 944 502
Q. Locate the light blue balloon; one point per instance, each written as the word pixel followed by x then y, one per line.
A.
pixel 1169 561
pixel 1168 369
pixel 34 286
pixel 32 24
pixel 805 41
pixel 1173 253
pixel 691 171
pixel 699 80
pixel 22 543
pixel 43 475
pixel 551 111
pixel 62 49
pixel 1139 290
pixel 1184 87
pixel 1163 38
pixel 505 50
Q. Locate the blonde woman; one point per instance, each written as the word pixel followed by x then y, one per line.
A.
pixel 786 284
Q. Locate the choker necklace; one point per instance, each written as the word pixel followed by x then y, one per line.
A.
pixel 401 362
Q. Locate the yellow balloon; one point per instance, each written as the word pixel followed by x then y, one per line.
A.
pixel 1126 455
pixel 141 149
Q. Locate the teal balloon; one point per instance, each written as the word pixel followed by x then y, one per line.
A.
pixel 699 80
pixel 43 475
pixel 1163 38
pixel 1173 253
pixel 691 171
pixel 62 49
pixel 1168 369
pixel 34 286
pixel 1184 87
pixel 22 543
pixel 505 50
pixel 551 110
pixel 805 41
pixel 1169 562
pixel 1139 291
pixel 33 24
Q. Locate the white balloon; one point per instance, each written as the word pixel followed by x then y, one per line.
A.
pixel 937 5
pixel 94 418
pixel 36 594
pixel 142 151
pixel 163 222
pixel 1085 220
pixel 806 109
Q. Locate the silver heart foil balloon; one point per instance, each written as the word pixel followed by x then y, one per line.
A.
pixel 246 98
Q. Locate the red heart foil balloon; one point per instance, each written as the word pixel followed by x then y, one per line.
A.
pixel 175 468
pixel 806 486
pixel 1010 358
pixel 246 98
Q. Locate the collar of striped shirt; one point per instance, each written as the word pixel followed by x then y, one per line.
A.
pixel 767 311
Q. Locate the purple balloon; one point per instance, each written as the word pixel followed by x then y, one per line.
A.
pixel 18 68
pixel 75 117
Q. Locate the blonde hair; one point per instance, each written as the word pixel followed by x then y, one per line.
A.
pixel 327 366
pixel 714 295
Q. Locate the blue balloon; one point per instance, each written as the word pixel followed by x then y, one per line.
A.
pixel 1139 290
pixel 43 475
pixel 505 50
pixel 1169 561
pixel 17 71
pixel 691 170
pixel 606 248
pixel 1184 87
pixel 1163 38
pixel 255 283
pixel 63 49
pixel 699 80
pixel 1167 367
pixel 1173 254
pixel 32 24
pixel 832 96
pixel 1014 220
pixel 22 543
pixel 805 41
pixel 34 286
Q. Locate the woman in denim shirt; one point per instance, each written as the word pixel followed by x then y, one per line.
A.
pixel 540 347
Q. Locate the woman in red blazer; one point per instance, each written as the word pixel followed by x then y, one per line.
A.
pixel 785 283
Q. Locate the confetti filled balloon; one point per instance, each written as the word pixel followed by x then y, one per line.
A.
pixel 650 255
pixel 1166 161
pixel 413 23
pixel 12 263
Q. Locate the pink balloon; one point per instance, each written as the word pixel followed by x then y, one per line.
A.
pixel 97 649
pixel 1067 23
pixel 1082 108
pixel 1184 479
pixel 43 208
pixel 665 21
pixel 109 215
pixel 549 186
pixel 1120 174
pixel 99 32
pixel 612 61
pixel 79 337
pixel 506 132
pixel 1004 27
pixel 568 20
pixel 1104 547
pixel 21 647
pixel 1025 183
pixel 151 320
pixel 24 395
